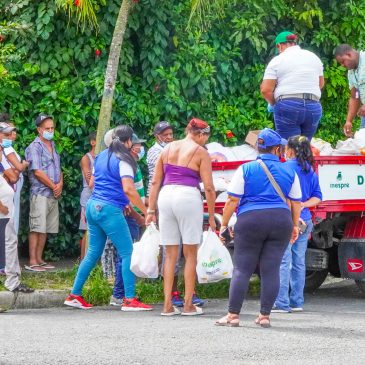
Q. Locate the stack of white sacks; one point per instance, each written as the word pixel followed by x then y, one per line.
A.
pixel 349 147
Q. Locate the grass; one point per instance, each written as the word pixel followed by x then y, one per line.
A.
pixel 98 290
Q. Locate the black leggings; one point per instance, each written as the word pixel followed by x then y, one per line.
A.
pixel 260 238
pixel 3 223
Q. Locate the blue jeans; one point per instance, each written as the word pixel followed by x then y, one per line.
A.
pixel 118 290
pixel 292 273
pixel 105 220
pixel 297 117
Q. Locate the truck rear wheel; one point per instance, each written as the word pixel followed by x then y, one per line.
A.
pixel 314 279
pixel 361 285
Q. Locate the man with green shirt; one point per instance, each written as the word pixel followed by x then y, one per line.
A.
pixel 354 62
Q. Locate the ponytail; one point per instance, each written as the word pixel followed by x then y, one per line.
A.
pixel 303 152
pixel 121 134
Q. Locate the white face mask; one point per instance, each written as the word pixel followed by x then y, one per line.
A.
pixel 141 153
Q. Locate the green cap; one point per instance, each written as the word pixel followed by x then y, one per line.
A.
pixel 284 37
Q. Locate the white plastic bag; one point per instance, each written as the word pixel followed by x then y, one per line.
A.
pixel 324 148
pixel 144 261
pixel 349 147
pixel 214 260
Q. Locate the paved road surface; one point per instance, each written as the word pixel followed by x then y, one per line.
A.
pixel 330 331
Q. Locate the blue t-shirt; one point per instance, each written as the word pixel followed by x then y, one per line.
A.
pixel 107 181
pixel 251 184
pixel 309 184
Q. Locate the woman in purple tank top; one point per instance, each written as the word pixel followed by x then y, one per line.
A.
pixel 175 190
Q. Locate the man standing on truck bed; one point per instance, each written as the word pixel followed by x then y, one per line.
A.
pixel 354 61
pixel 292 86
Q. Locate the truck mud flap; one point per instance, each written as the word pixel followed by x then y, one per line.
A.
pixel 351 258
pixel 316 260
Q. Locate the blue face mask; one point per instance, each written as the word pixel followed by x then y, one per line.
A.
pixel 48 135
pixel 6 143
pixel 141 153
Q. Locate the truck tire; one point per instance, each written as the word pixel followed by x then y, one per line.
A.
pixel 314 279
pixel 361 285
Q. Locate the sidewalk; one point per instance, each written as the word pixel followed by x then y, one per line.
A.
pixel 40 298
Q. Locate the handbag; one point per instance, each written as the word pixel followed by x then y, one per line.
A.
pixel 272 180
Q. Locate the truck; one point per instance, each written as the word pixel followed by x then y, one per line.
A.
pixel 337 243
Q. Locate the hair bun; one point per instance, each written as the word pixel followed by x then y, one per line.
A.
pixel 198 124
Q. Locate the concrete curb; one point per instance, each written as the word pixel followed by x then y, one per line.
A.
pixel 36 300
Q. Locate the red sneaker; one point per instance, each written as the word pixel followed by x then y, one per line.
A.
pixel 77 301
pixel 134 305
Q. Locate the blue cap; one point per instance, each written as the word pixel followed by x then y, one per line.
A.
pixel 270 138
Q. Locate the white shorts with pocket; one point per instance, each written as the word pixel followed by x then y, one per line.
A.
pixel 180 215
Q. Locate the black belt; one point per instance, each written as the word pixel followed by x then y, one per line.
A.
pixel 305 96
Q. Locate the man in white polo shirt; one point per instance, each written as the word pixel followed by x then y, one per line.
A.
pixel 292 86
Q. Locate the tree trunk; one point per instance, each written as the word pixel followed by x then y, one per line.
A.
pixel 111 74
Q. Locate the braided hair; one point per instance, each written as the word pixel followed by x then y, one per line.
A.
pixel 121 134
pixel 303 151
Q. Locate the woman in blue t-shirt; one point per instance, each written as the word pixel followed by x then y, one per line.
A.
pixel 113 181
pixel 292 270
pixel 264 225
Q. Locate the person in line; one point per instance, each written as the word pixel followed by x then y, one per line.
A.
pixel 265 224
pixel 164 135
pixel 18 164
pixel 292 86
pixel 46 184
pixel 8 237
pixel 179 170
pixel 87 164
pixel 133 218
pixel 113 181
pixel 354 62
pixel 292 269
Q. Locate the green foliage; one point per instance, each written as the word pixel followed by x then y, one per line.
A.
pixel 167 71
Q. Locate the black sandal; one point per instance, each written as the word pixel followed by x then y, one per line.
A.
pixel 22 288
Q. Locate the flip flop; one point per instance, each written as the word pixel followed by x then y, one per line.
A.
pixel 198 312
pixel 170 314
pixel 224 321
pixel 46 265
pixel 35 268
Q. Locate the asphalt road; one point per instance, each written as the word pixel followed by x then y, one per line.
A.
pixel 330 331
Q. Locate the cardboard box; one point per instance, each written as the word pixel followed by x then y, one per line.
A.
pixel 251 138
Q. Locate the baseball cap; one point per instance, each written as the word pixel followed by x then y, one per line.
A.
pixel 41 117
pixel 284 37
pixel 136 140
pixel 161 126
pixel 270 138
pixel 6 128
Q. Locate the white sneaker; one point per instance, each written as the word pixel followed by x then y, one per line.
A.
pixel 297 309
pixel 115 301
pixel 279 310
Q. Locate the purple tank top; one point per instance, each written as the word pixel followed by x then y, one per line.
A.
pixel 180 175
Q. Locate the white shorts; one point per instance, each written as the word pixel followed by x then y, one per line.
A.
pixel 180 215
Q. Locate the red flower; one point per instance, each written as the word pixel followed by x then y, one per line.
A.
pixel 77 3
pixel 97 52
pixel 229 134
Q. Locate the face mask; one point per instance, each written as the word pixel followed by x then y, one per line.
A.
pixel 6 143
pixel 141 153
pixel 48 135
pixel 162 143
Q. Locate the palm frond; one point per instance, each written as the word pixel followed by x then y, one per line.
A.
pixel 201 9
pixel 85 11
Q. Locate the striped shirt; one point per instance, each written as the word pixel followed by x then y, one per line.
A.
pixel 40 158
pixel 152 156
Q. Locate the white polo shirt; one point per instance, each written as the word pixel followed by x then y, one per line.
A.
pixel 296 71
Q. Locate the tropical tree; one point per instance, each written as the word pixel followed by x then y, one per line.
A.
pixel 85 12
